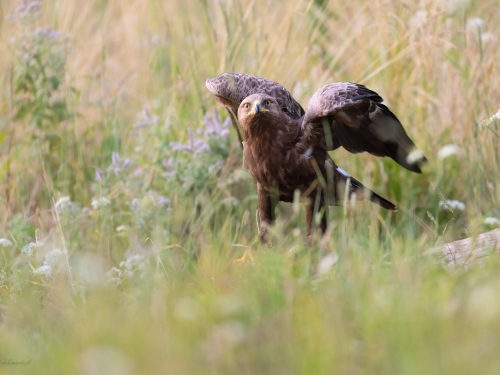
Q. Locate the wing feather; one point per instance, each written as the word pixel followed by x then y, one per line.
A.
pixel 359 122
pixel 231 88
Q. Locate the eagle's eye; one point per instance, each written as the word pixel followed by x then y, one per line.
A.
pixel 268 102
pixel 246 105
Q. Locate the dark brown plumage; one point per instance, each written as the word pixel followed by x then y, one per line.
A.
pixel 283 157
pixel 285 147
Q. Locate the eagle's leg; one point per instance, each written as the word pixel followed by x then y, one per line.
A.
pixel 234 121
pixel 310 218
pixel 266 217
pixel 266 205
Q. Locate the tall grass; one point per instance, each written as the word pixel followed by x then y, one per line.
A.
pixel 124 202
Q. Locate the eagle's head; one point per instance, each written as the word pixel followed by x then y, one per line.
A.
pixel 258 109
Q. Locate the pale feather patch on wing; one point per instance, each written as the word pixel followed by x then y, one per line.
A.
pixel 344 173
pixel 415 157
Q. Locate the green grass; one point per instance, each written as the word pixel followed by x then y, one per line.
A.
pixel 112 149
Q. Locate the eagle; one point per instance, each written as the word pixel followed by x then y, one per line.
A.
pixel 285 149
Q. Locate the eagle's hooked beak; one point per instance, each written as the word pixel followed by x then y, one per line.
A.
pixel 257 108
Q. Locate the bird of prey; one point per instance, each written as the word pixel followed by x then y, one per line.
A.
pixel 285 148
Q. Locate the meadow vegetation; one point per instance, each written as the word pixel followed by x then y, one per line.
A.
pixel 123 200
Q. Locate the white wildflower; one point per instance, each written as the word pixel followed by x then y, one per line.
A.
pixel 475 24
pixel 56 257
pixel 487 36
pixel 99 202
pixel 114 276
pixel 28 249
pixel 127 269
pixel 490 120
pixel 45 270
pixel 63 203
pixel 452 205
pixel 121 228
pixel 4 242
pixel 492 221
pixel 55 261
pixel 326 264
pixel 448 150
pixel 132 264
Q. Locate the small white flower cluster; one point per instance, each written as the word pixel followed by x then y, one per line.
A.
pixel 327 262
pixel 132 264
pixel 490 120
pixel 4 242
pixel 28 249
pixel 451 204
pixel 476 25
pixel 114 276
pixel 99 202
pixel 64 205
pixel 55 260
pixel 447 151
pixel 493 221
pixel 127 269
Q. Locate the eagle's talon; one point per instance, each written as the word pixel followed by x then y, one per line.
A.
pixel 247 257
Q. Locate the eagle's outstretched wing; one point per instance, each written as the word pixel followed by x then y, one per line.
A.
pixel 231 88
pixel 352 116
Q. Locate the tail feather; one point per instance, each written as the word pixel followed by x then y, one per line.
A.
pixel 375 198
pixel 362 192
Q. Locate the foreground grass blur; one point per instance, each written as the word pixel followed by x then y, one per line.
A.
pixel 124 201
